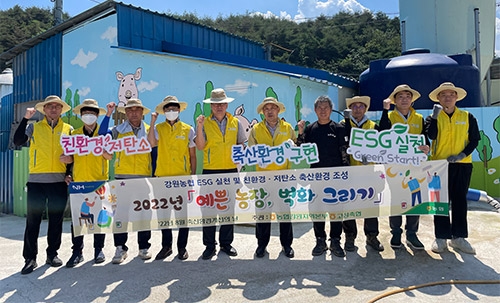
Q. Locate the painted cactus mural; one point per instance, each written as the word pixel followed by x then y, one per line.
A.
pixel 203 108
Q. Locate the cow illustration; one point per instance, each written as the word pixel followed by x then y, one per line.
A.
pixel 247 124
pixel 128 88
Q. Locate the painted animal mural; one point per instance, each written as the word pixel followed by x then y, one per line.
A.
pixel 247 124
pixel 128 88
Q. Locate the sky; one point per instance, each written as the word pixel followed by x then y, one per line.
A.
pixel 298 10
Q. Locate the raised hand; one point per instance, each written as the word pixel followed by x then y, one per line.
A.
pixel 30 112
pixel 436 110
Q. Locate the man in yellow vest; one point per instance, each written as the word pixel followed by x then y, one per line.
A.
pixel 130 167
pixel 403 97
pixel 272 131
pixel 175 141
pixel 359 105
pixel 455 135
pixel 330 138
pixel 88 168
pixel 216 135
pixel 46 185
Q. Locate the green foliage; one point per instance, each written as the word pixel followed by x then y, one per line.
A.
pixel 344 43
pixel 18 25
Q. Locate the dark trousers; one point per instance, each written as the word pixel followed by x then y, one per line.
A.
pixel 336 227
pixel 263 233
pixel 459 175
pixel 350 229
pixel 226 232
pixel 370 226
pixel 182 238
pixel 411 226
pixel 78 242
pixel 41 196
pixel 226 235
pixel 143 238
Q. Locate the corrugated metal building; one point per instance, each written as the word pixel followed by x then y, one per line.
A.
pixel 41 68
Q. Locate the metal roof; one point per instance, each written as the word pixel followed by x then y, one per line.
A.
pixel 109 5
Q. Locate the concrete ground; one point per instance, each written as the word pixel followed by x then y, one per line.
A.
pixel 362 276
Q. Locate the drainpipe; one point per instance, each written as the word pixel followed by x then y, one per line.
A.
pixel 403 36
pixel 478 47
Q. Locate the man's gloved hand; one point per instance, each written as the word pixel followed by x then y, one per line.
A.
pixel 364 161
pixel 347 114
pixel 436 110
pixel 456 158
pixel 290 141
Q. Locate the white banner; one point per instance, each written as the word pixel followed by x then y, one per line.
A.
pixel 392 146
pixel 304 195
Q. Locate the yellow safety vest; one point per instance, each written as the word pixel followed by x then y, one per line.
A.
pixel 45 147
pixel 283 132
pixel 138 164
pixel 173 149
pixel 87 168
pixel 453 135
pixel 414 121
pixel 369 124
pixel 218 149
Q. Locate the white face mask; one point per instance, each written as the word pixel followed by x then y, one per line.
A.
pixel 89 119
pixel 172 116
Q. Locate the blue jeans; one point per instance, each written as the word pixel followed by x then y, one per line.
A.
pixel 411 226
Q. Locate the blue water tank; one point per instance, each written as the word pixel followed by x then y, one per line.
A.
pixel 422 71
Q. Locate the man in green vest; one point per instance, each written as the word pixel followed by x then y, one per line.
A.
pixel 130 166
pixel 272 131
pixel 455 134
pixel 47 188
pixel 177 150
pixel 88 168
pixel 215 136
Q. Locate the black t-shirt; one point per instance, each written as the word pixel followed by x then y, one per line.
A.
pixel 331 141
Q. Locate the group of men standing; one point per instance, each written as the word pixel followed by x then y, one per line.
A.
pixel 454 133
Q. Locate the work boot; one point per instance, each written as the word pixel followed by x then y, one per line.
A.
pixel 396 241
pixel 349 244
pixel 76 258
pixel 320 247
pixel 414 242
pixel 336 248
pixel 374 243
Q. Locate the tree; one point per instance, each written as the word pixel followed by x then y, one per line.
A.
pixel 344 43
pixel 18 25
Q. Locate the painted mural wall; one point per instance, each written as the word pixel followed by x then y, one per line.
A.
pixel 94 67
